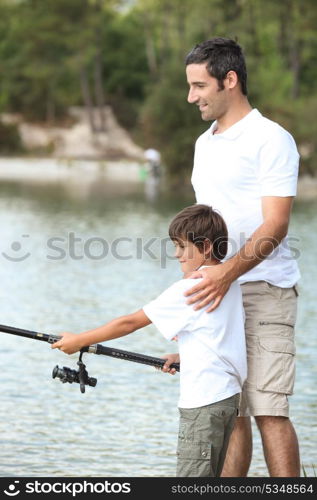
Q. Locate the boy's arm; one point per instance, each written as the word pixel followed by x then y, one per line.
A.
pixel 116 328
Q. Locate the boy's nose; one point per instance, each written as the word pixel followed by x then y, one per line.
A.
pixel 178 253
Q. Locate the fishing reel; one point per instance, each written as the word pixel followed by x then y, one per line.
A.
pixel 79 376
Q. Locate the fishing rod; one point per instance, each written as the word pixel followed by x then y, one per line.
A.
pixel 80 376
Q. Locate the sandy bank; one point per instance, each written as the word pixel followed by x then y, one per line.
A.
pixel 49 170
pixel 307 188
pixel 77 141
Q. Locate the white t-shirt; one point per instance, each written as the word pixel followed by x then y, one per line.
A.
pixel 255 157
pixel 211 345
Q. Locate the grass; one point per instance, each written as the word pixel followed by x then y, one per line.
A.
pixel 311 475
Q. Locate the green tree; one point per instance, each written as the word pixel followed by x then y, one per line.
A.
pixel 130 55
pixel 36 82
pixel 279 41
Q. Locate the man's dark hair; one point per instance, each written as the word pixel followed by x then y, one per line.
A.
pixel 220 55
pixel 199 223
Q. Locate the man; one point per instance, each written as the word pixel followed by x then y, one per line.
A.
pixel 246 166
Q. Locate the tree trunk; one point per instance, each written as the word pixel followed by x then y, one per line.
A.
pixel 181 14
pixel 252 27
pixel 84 83
pixel 50 110
pixel 149 47
pixel 98 86
pixel 99 92
pixel 166 48
pixel 294 53
pixel 295 67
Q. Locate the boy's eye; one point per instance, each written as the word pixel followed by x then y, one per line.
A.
pixel 178 245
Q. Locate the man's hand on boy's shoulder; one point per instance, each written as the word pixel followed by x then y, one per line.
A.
pixel 211 289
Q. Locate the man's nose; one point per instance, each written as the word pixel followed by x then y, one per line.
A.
pixel 192 97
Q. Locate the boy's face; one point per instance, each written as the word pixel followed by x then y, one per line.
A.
pixel 188 255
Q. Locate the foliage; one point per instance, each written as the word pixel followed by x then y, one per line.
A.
pixel 130 54
pixel 10 142
pixel 170 124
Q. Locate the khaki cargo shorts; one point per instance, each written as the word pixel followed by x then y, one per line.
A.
pixel 203 437
pixel 270 315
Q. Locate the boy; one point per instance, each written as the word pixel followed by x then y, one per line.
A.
pixel 211 346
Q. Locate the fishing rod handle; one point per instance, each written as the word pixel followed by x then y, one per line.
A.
pixel 132 356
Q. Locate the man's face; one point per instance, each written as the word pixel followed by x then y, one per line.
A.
pixel 204 92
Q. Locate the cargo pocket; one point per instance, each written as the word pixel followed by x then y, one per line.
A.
pixel 188 417
pixel 194 460
pixel 276 365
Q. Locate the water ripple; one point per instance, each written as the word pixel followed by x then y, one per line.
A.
pixel 127 425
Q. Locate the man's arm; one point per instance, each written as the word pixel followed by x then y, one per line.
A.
pixel 116 328
pixel 276 214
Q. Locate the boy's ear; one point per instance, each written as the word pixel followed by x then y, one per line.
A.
pixel 207 249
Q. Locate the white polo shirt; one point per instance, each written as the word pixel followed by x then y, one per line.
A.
pixel 211 345
pixel 255 157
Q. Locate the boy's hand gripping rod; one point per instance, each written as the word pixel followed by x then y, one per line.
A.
pixel 81 376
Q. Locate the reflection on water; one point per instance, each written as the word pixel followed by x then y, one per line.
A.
pixel 73 257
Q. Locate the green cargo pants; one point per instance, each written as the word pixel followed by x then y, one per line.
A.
pixel 203 438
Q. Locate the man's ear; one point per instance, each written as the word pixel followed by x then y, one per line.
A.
pixel 231 79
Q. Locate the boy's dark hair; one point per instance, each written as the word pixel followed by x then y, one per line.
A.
pixel 199 223
pixel 220 55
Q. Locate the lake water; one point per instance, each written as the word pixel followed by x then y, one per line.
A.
pixel 73 257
